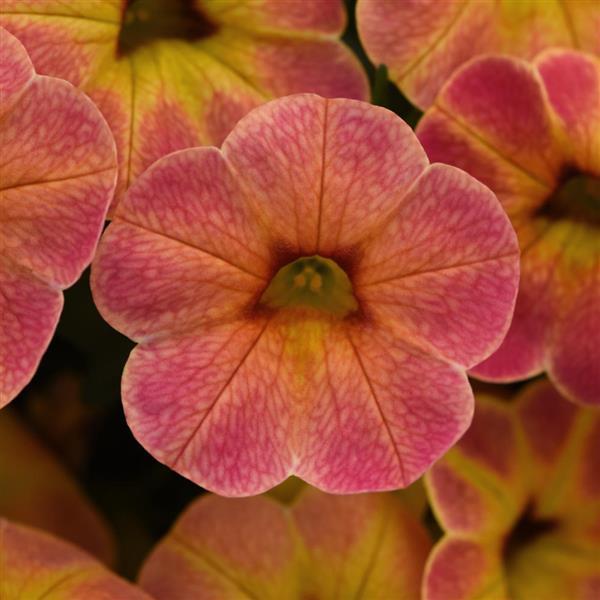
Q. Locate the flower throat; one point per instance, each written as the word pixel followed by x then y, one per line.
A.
pixel 145 21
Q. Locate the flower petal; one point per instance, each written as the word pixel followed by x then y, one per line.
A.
pixel 37 490
pixel 323 168
pixel 16 70
pixel 383 413
pixel 573 347
pixel 445 264
pixel 572 80
pixel 172 94
pixel 182 249
pixel 35 564
pixel 463 569
pixel 562 446
pixel 55 144
pixel 57 147
pixel 30 310
pixel 479 486
pixel 501 102
pixel 423 41
pixel 282 65
pixel 364 545
pixel 321 545
pixel 214 406
pixel 315 16
pixel 226 548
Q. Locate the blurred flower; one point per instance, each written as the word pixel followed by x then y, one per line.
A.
pixel 532 134
pixel 519 499
pixel 57 178
pixel 305 300
pixel 423 42
pixel 171 74
pixel 36 564
pixel 36 489
pixel 320 546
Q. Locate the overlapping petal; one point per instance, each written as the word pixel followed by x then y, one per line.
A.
pixel 238 396
pixel 505 496
pixel 36 490
pixel 35 564
pixel 170 94
pixel 524 147
pixel 423 42
pixel 57 175
pixel 320 546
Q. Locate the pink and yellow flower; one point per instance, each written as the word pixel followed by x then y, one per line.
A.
pixel 423 42
pixel 306 300
pixel 37 490
pixel 531 132
pixel 519 499
pixel 57 178
pixel 35 564
pixel 320 546
pixel 171 74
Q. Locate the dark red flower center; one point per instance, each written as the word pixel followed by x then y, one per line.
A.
pixel 528 529
pixel 576 198
pixel 145 21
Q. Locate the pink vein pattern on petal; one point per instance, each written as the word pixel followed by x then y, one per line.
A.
pixel 170 93
pixel 447 238
pixel 385 412
pixel 236 393
pixel 57 176
pixel 16 70
pixel 30 310
pixel 212 407
pixel 35 564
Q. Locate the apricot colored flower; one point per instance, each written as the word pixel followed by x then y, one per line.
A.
pixel 172 74
pixel 37 490
pixel 532 134
pixel 35 564
pixel 519 499
pixel 423 42
pixel 305 300
pixel 320 546
pixel 57 178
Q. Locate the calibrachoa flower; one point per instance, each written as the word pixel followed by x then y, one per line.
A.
pixel 57 178
pixel 170 74
pixel 423 41
pixel 519 499
pixel 35 564
pixel 36 489
pixel 305 300
pixel 532 134
pixel 321 546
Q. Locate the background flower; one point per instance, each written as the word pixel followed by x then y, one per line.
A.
pixel 37 490
pixel 320 546
pixel 423 41
pixel 36 564
pixel 171 74
pixel 57 177
pixel 519 500
pixel 531 132
pixel 305 300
